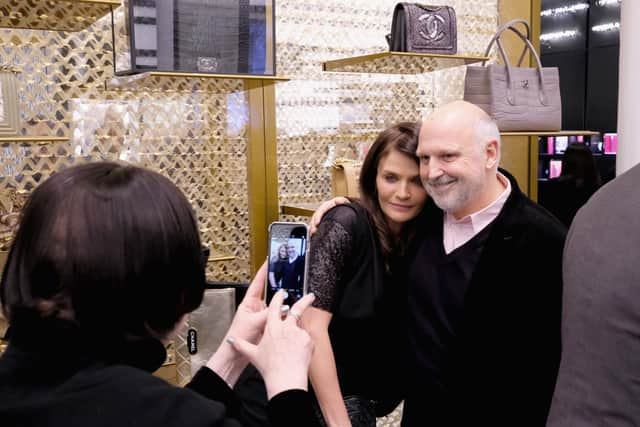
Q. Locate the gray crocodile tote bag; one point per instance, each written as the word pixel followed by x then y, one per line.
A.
pixel 517 98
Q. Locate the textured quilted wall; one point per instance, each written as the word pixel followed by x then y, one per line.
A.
pixel 195 131
pixel 321 115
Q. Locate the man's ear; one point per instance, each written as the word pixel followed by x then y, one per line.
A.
pixel 492 152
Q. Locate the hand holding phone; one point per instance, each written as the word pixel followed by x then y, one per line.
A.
pixel 288 244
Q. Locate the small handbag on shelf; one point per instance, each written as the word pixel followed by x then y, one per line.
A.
pixel 206 327
pixel 517 98
pixel 344 178
pixel 423 29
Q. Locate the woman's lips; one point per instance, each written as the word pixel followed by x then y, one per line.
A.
pixel 401 207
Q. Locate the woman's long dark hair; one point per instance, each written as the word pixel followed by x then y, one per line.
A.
pixel 112 249
pixel 403 138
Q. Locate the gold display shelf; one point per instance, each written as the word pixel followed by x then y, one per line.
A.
pixel 36 139
pixel 299 209
pixel 400 63
pixel 552 133
pixel 216 257
pixel 215 76
pixel 128 80
pixel 56 15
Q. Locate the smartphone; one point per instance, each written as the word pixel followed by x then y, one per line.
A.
pixel 288 248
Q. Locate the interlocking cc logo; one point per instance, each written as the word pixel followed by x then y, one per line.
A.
pixel 432 27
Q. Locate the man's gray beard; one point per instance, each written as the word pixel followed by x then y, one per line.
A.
pixel 447 204
pixel 452 202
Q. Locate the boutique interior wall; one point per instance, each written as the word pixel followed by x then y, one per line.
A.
pixel 323 115
pixel 195 131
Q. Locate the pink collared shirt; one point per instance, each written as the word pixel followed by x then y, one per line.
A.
pixel 458 232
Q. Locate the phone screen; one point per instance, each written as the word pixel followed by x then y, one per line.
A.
pixel 287 260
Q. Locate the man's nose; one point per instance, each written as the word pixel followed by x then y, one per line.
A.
pixel 434 170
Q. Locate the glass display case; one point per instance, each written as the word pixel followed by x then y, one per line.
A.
pixel 195 36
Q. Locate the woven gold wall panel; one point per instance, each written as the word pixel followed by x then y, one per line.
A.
pixel 321 115
pixel 194 131
pixel 64 15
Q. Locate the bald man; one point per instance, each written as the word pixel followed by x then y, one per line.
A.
pixel 484 285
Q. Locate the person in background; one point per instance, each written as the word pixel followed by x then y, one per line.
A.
pixel 599 378
pixel 105 266
pixel 356 273
pixel 277 267
pixel 578 180
pixel 484 285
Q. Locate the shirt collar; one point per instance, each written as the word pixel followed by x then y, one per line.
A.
pixel 486 215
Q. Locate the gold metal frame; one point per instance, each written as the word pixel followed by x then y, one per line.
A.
pixel 10 125
pixel 533 141
pixel 108 2
pixel 37 139
pixel 270 53
pixel 262 167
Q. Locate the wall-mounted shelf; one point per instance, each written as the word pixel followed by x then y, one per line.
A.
pixel 127 80
pixel 56 15
pixel 42 140
pixel 216 257
pixel 213 76
pixel 560 155
pixel 299 209
pixel 554 133
pixel 399 63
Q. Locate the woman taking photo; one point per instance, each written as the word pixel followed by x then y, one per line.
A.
pixel 355 272
pixel 103 269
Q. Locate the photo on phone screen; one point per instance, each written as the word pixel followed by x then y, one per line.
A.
pixel 287 260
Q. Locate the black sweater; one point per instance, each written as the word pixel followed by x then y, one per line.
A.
pixel 53 381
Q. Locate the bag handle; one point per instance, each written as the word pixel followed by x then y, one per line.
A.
pixel 510 26
pixel 528 46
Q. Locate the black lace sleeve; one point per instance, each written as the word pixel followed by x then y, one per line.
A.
pixel 330 248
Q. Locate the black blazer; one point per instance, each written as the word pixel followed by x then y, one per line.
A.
pixel 511 337
pixel 508 344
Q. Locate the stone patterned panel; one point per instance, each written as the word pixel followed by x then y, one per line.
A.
pixel 71 15
pixel 193 131
pixel 322 114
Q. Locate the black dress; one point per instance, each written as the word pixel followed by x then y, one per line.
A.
pixel 277 268
pixel 367 331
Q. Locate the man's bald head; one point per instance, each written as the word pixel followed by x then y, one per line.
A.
pixel 457 110
pixel 459 151
pixel 467 118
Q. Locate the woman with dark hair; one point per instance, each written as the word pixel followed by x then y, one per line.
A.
pixel 577 182
pixel 103 269
pixel 356 319
pixel 277 267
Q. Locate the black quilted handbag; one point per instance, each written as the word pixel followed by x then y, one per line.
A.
pixel 423 29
